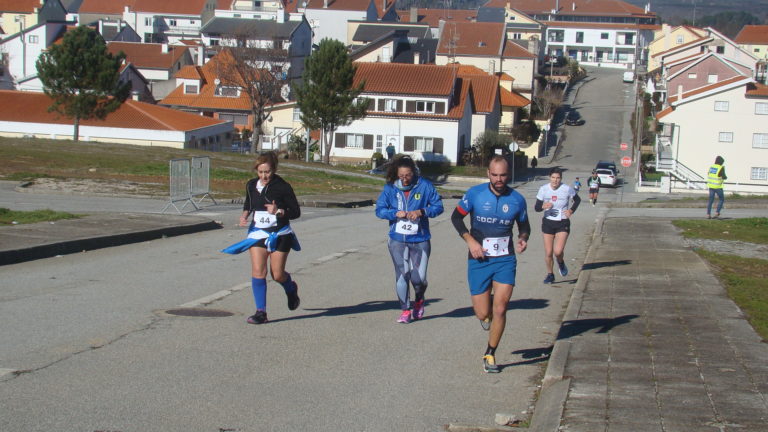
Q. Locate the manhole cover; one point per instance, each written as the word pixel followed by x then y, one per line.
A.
pixel 199 312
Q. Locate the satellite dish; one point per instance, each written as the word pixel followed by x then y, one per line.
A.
pixel 285 92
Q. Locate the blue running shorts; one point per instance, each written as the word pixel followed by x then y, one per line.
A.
pixel 480 273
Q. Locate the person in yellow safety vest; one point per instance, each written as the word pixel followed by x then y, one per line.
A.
pixel 715 178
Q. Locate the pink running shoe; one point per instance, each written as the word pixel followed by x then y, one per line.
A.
pixel 418 310
pixel 405 317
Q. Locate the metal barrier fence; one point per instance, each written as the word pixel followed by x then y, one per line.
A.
pixel 189 179
pixel 200 178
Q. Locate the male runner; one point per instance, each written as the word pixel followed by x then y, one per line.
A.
pixel 493 209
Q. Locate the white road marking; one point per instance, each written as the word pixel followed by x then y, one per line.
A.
pixel 214 297
pixel 4 371
pixel 334 256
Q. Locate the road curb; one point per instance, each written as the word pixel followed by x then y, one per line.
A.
pixel 554 387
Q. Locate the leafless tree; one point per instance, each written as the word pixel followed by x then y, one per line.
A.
pixel 547 99
pixel 258 69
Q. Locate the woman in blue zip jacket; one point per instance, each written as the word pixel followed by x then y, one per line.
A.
pixel 407 202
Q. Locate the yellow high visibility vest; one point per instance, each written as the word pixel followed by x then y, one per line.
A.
pixel 714 181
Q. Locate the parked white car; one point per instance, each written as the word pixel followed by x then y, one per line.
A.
pixel 607 177
pixel 629 77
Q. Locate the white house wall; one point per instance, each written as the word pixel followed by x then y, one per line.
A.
pixel 698 126
pixel 331 24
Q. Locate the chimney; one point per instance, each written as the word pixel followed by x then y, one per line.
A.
pixel 325 4
pixel 135 95
pixel 573 6
pixel 281 16
pixel 200 55
pixel 164 48
pixel 679 92
pixel 416 57
pixel 414 14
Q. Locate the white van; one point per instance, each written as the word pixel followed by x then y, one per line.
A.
pixel 629 77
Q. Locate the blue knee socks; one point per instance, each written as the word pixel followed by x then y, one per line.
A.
pixel 288 284
pixel 259 287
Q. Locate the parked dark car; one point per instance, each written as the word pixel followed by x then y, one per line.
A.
pixel 604 164
pixel 574 119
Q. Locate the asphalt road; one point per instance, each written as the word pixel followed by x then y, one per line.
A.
pixel 97 352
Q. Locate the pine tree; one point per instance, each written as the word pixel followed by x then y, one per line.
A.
pixel 326 97
pixel 82 77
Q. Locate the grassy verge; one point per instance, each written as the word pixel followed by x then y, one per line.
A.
pixel 8 217
pixel 753 230
pixel 745 281
pixel 733 196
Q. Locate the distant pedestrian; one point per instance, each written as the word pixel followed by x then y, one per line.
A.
pixel 594 187
pixel 270 204
pixel 715 178
pixel 407 202
pixel 494 208
pixel 576 185
pixel 390 151
pixel 534 162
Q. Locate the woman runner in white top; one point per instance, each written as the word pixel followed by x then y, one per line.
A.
pixel 554 199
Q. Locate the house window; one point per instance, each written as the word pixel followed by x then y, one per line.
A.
pixel 296 114
pixel 760 140
pixel 720 49
pixel 172 23
pixel 757 50
pixel 33 39
pixel 238 119
pixel 761 108
pixel 721 106
pixel 603 35
pixel 423 144
pixel 759 173
pixel 227 91
pixel 190 89
pixel 379 143
pixel 354 141
pixel 517 35
pixel 425 107
pixel 680 40
pixel 692 75
pixel 711 79
pixel 579 37
pixel 147 21
pixel 390 105
pixel 556 35
pixel 725 137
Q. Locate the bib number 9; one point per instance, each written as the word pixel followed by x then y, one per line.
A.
pixel 496 246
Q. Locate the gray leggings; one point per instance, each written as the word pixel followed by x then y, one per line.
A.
pixel 410 260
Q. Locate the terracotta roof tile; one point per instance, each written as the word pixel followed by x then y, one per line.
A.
pixel 513 98
pixel 433 16
pixel 148 55
pixel 513 50
pixel 485 87
pixel 753 34
pixel 105 6
pixel 206 98
pixel 186 7
pixel 664 112
pixel 757 90
pixel 707 88
pixel 190 72
pixel 582 7
pixel 19 106
pixel 468 38
pixel 406 78
pixel 25 6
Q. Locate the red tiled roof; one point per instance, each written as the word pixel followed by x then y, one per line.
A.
pixel 470 38
pixel 186 7
pixel 695 30
pixel 513 98
pixel 406 78
pixel 753 34
pixel 590 25
pixel 148 55
pixel 25 6
pixel 433 16
pixel 707 88
pixel 206 98
pixel 105 6
pixel 224 4
pixel 582 7
pixel 485 87
pixel 503 76
pixel 29 107
pixel 190 72
pixel 664 112
pixel 757 90
pixel 513 50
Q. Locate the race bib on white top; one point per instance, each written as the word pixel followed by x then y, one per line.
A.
pixel 496 246
pixel 262 219
pixel 406 227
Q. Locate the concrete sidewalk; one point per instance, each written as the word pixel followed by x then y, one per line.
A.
pixel 651 342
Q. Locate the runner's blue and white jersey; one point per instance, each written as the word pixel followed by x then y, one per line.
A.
pixel 559 198
pixel 493 216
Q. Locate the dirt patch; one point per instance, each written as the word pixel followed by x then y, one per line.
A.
pixel 96 187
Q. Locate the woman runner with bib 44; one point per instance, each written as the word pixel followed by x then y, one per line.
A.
pixel 553 198
pixel 407 202
pixel 269 206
